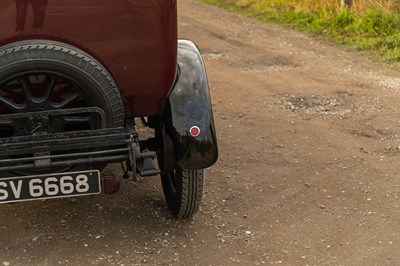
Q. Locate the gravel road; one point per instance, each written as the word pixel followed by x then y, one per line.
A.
pixel 308 173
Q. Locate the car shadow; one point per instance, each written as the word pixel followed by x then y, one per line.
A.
pixel 85 229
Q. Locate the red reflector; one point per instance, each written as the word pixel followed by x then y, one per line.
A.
pixel 111 184
pixel 194 131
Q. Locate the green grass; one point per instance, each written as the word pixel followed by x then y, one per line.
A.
pixel 376 31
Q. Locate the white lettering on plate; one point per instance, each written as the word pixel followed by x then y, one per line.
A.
pixel 16 190
pixel 3 192
pixel 35 188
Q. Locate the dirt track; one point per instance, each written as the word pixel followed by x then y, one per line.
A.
pixel 308 173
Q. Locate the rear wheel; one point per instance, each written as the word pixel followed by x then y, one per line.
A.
pixel 45 76
pixel 183 191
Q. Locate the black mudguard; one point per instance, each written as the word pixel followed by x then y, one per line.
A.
pixel 189 105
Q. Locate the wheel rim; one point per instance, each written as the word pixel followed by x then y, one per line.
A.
pixel 43 91
pixel 34 91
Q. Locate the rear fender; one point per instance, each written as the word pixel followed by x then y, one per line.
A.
pixel 189 105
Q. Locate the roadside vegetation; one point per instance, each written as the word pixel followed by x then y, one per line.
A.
pixel 370 25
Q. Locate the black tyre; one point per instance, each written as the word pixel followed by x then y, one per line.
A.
pixel 47 75
pixel 183 191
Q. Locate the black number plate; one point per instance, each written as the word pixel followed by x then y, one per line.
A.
pixel 49 186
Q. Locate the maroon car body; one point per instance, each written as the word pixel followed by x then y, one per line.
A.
pixel 136 40
pixel 76 76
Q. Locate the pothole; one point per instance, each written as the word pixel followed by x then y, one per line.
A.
pixel 268 63
pixel 316 105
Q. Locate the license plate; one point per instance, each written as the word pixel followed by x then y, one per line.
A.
pixel 38 187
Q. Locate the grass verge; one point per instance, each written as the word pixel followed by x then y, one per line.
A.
pixel 376 31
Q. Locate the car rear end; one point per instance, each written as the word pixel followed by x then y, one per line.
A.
pixel 75 76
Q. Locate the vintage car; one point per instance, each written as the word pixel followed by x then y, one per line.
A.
pixel 76 77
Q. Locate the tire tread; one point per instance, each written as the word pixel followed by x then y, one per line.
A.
pixel 60 52
pixel 192 191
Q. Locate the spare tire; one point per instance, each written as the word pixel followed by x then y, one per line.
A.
pixel 43 75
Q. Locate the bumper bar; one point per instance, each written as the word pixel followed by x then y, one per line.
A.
pixel 90 147
pixel 52 151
